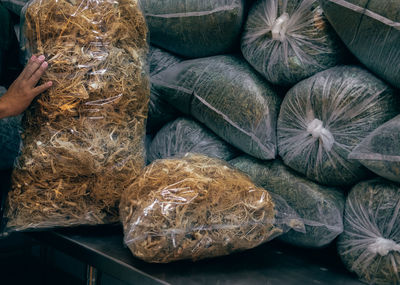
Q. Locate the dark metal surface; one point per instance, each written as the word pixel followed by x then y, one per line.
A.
pixel 272 263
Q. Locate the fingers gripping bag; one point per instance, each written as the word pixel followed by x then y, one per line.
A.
pixel 380 151
pixel 196 207
pixel 370 243
pixel 83 140
pixel 289 40
pixel 323 118
pixel 371 31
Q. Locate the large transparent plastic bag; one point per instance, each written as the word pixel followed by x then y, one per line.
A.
pixel 325 116
pixel 371 30
pixel 83 140
pixel 160 112
pixel 370 243
pixel 197 207
pixel 320 207
pixel 194 28
pixel 289 40
pixel 185 135
pixel 229 97
pixel 10 138
pixel 380 151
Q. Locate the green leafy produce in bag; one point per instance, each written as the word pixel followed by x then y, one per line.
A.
pixel 320 207
pixel 370 243
pixel 229 97
pixel 185 135
pixel 323 118
pixel 289 40
pixel 380 151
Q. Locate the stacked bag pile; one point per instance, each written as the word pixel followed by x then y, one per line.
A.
pixel 271 118
pixel 306 97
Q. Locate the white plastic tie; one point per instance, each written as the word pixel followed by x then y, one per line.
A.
pixel 316 129
pixel 383 246
pixel 279 27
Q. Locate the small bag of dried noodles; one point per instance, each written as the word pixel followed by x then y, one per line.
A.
pixel 197 207
pixel 83 139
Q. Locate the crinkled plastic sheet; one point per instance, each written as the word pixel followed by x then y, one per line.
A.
pixel 185 135
pixel 194 28
pixel 324 117
pixel 197 207
pixel 371 30
pixel 380 151
pixel 370 244
pixel 320 207
pixel 160 112
pixel 229 97
pixel 10 139
pixel 84 137
pixel 289 40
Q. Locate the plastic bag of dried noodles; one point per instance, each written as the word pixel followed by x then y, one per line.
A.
pixel 197 207
pixel 83 139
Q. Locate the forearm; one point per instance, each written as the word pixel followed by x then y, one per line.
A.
pixel 3 110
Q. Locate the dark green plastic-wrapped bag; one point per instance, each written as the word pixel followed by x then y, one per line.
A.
pixel 380 151
pixel 289 40
pixel 320 207
pixel 160 112
pixel 371 30
pixel 370 243
pixel 159 60
pixel 324 117
pixel 194 28
pixel 185 135
pixel 229 97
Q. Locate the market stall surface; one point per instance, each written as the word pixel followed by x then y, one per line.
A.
pixel 272 263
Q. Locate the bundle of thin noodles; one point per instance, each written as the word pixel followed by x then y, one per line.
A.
pixel 84 137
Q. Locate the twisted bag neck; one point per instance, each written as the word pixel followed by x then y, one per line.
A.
pixel 316 129
pixel 279 27
pixel 383 246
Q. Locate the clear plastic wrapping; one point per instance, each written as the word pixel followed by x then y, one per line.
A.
pixel 185 135
pixel 371 30
pixel 319 207
pixel 370 243
pixel 325 116
pixel 380 151
pixel 229 97
pixel 289 40
pixel 83 140
pixel 197 207
pixel 160 112
pixel 194 28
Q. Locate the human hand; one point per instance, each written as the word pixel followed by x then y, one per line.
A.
pixel 23 90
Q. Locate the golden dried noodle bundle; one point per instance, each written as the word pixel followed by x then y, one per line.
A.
pixel 83 139
pixel 195 207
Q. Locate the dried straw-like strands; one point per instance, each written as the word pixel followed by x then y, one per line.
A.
pixel 192 208
pixel 83 140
